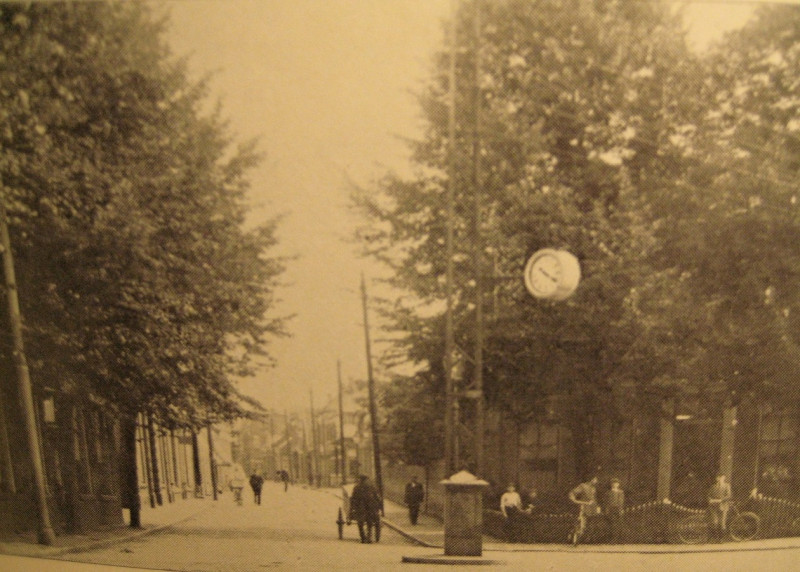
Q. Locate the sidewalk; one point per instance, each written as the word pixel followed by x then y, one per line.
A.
pixel 153 519
pixel 429 532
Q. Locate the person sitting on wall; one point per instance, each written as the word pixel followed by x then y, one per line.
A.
pixel 511 507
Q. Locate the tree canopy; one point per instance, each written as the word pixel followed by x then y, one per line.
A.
pixel 140 281
pixel 667 174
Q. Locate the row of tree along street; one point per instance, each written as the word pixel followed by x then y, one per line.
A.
pixel 673 177
pixel 142 290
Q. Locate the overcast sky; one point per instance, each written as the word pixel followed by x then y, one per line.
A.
pixel 328 87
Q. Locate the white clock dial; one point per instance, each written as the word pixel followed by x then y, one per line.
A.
pixel 552 274
pixel 545 275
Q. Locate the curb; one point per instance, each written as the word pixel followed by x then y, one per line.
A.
pixel 407 535
pixel 609 549
pixel 452 560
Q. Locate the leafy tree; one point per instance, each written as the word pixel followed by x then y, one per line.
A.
pixel 577 105
pixel 724 298
pixel 139 281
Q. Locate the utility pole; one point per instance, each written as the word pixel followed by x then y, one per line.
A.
pixel 275 459
pixel 449 342
pixel 343 454
pixel 45 533
pixel 314 441
pixel 478 246
pixel 373 410
pixel 288 446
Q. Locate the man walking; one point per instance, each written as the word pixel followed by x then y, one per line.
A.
pixel 256 482
pixel 284 475
pixel 414 496
pixel 365 508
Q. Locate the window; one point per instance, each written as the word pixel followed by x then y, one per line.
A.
pixel 778 444
pixel 539 446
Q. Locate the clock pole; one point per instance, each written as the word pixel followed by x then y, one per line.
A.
pixel 478 248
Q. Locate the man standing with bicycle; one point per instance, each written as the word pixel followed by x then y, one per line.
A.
pixel 719 501
pixel 585 496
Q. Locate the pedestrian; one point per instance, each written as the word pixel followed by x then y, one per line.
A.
pixel 415 494
pixel 284 476
pixel 510 506
pixel 365 507
pixel 615 504
pixel 256 482
pixel 719 500
pixel 236 483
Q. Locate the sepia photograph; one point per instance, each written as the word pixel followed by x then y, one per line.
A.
pixel 375 285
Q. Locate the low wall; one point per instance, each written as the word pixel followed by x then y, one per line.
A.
pixel 649 523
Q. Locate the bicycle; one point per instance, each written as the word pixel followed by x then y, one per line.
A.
pixel 579 530
pixel 696 529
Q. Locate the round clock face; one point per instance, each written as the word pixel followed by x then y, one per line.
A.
pixel 552 274
pixel 545 275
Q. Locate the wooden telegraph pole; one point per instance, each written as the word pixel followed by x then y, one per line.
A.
pixel 449 342
pixel 341 422
pixel 45 533
pixel 373 410
pixel 317 473
pixel 478 247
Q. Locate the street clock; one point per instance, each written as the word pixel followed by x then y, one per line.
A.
pixel 552 274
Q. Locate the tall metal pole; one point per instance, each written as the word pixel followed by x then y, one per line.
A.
pixel 449 342
pixel 45 533
pixel 478 245
pixel 373 410
pixel 343 454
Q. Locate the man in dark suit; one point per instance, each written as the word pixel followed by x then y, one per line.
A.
pixel 365 509
pixel 256 482
pixel 414 496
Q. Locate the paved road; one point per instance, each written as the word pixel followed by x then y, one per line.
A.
pixel 297 531
pixel 294 530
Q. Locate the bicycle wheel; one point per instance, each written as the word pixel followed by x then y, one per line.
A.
pixel 693 529
pixel 575 535
pixel 744 526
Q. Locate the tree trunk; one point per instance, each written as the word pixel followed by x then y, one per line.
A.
pixel 198 474
pixel 174 458
pixel 146 461
pixel 68 420
pixel 212 462
pixel 151 436
pixel 129 483
pixel 165 466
